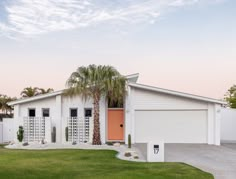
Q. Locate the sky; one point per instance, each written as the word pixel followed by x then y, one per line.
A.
pixel 182 45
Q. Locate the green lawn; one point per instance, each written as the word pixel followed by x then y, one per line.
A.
pixel 86 164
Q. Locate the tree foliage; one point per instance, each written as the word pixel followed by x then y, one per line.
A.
pixel 29 92
pixel 230 96
pixel 4 100
pixel 34 91
pixel 45 91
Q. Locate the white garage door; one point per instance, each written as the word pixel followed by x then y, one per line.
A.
pixel 171 126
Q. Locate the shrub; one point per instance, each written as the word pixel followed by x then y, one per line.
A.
pixel 42 141
pixel 54 134
pixel 20 134
pixel 129 141
pixel 128 154
pixel 25 144
pixel 67 134
pixel 109 143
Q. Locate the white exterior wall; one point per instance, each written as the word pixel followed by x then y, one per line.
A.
pixel 80 104
pixel 145 100
pixel 214 118
pixel 129 116
pixel 57 119
pixel 103 114
pixel 38 105
pixel 228 123
pixel 73 102
pixel 21 111
pixel 217 126
pixel 59 113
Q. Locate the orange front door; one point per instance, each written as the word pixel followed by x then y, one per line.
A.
pixel 115 124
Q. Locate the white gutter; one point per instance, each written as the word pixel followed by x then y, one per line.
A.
pixel 176 93
pixel 34 98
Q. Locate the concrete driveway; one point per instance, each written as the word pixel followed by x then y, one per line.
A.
pixel 218 160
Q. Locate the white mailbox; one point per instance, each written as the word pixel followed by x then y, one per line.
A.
pixel 155 151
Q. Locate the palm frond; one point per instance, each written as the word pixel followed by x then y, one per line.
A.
pixel 104 80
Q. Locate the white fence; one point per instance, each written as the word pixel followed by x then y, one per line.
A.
pixel 228 125
pixel 1 132
pixel 6 130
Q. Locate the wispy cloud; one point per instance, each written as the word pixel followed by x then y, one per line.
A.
pixel 32 17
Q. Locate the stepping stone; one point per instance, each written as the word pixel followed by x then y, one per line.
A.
pixel 116 144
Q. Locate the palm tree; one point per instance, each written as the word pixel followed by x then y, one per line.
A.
pixel 4 100
pixel 96 82
pixel 10 108
pixel 29 92
pixel 45 91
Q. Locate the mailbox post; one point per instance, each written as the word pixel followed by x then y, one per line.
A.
pixel 155 151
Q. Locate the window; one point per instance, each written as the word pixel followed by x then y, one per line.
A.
pixel 88 112
pixel 45 112
pixel 73 112
pixel 31 112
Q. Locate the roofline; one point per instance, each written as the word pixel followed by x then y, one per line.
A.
pixel 132 75
pixel 29 99
pixel 176 93
pixel 136 85
pixel 48 95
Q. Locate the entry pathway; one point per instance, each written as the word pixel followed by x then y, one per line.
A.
pixel 218 160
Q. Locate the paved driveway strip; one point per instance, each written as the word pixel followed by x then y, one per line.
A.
pixel 218 160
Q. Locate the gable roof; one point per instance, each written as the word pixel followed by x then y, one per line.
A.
pixel 34 98
pixel 176 93
pixel 132 79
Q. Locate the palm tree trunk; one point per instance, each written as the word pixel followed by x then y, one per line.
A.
pixel 96 129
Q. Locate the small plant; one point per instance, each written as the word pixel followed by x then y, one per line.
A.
pixel 129 141
pixel 42 141
pixel 25 144
pixel 54 134
pixel 67 134
pixel 109 143
pixel 20 134
pixel 128 154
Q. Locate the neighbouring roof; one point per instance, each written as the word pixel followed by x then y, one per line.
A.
pixel 176 93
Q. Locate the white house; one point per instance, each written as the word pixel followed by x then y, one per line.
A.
pixel 149 114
